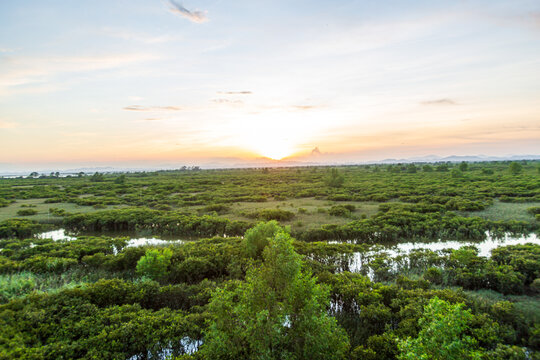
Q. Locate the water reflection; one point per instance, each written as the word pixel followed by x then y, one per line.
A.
pixel 151 241
pixel 58 235
pixel 484 246
pixel 381 260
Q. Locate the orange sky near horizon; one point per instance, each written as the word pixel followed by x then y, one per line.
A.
pixel 110 84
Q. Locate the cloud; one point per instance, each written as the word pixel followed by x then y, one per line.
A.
pixel 136 36
pixel 316 151
pixel 31 70
pixel 290 107
pixel 439 102
pixel 151 108
pixel 304 107
pixel 529 19
pixel 195 16
pixel 227 101
pixel 235 92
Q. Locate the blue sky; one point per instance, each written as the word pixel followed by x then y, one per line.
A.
pixel 129 82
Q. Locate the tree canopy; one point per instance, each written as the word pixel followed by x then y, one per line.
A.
pixel 279 312
pixel 442 335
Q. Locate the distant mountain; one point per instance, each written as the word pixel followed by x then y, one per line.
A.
pixel 457 158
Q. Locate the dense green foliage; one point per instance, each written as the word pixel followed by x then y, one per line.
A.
pixel 240 288
pixel 19 228
pixel 110 319
pixel 258 237
pixel 442 334
pixel 426 203
pixel 374 315
pixel 154 263
pixel 399 221
pixel 27 212
pixel 279 312
pixel 156 221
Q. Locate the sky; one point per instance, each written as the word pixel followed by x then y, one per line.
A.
pixel 150 82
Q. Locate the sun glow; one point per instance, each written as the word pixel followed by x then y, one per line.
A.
pixel 274 142
pixel 274 149
pixel 275 135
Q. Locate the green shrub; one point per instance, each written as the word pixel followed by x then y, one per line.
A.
pixel 57 212
pixel 154 263
pixel 487 171
pixel 434 275
pixel 258 237
pixel 334 178
pixel 271 214
pixel 515 168
pixel 27 212
pixel 535 285
pixel 19 228
pixel 218 208
pixel 339 210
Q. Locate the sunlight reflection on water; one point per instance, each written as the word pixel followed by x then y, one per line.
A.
pixel 58 235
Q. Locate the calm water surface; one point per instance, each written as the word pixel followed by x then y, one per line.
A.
pixel 134 241
pixel 484 246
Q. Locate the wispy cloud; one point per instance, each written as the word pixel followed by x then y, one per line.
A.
pixel 227 101
pixel 136 36
pixel 196 16
pixel 151 108
pixel 304 107
pixel 31 70
pixel 288 108
pixel 439 102
pixel 235 92
pixel 528 19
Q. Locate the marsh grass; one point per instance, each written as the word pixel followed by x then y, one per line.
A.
pixel 505 211
pixel 310 216
pixel 20 284
pixel 42 209
pixel 529 306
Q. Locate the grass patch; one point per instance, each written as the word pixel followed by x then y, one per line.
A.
pixel 529 306
pixel 10 211
pixel 506 211
pixel 20 284
pixel 309 217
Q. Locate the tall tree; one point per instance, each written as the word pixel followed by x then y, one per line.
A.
pixel 279 312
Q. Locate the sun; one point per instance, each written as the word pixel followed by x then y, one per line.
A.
pixel 276 154
pixel 274 150
pixel 273 136
pixel 274 147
